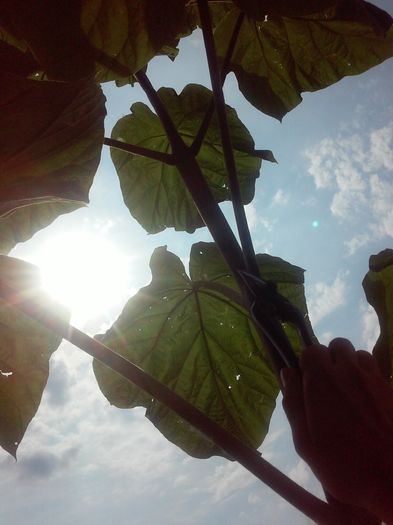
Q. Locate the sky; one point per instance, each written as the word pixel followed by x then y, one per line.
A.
pixel 326 206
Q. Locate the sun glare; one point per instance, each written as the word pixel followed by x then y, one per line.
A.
pixel 84 272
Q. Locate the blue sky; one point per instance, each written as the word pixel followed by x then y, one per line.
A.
pixel 326 207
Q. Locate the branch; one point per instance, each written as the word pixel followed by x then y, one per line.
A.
pixel 166 158
pixel 240 215
pixel 246 456
pixel 213 217
pixel 196 184
pixel 197 143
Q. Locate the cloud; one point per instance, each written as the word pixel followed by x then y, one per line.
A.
pixel 357 171
pixel 325 298
pixel 280 197
pixel 44 464
pixel 370 327
pixel 300 473
pixel 227 480
pixel 252 216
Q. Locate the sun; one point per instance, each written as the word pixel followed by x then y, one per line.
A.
pixel 84 272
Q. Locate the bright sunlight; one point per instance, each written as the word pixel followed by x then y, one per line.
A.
pixel 84 272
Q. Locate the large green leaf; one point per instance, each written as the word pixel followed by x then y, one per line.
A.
pixel 25 349
pixel 378 286
pixel 51 136
pixel 260 10
pixel 107 39
pixel 194 335
pixel 23 222
pixel 278 59
pixel 154 192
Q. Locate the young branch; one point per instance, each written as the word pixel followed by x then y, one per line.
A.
pixel 197 143
pixel 240 215
pixel 197 186
pixel 246 456
pixel 166 158
pixel 213 217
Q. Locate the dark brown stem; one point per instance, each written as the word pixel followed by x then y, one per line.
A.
pixel 240 215
pixel 166 158
pixel 197 143
pixel 246 456
pixel 197 186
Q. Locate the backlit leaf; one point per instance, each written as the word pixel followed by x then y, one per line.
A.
pixel 107 39
pixel 154 192
pixel 51 137
pixel 378 287
pixel 25 349
pixel 277 59
pixel 194 335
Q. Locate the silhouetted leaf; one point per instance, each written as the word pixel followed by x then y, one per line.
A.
pixel 25 349
pixel 154 192
pixel 107 40
pixel 194 335
pixel 51 137
pixel 378 287
pixel 278 59
pixel 259 10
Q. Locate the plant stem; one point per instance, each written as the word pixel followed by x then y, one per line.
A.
pixel 197 143
pixel 197 186
pixel 240 215
pixel 166 158
pixel 246 456
pixel 213 218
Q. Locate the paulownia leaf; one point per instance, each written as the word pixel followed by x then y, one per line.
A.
pixel 51 136
pixel 108 39
pixel 154 192
pixel 378 286
pixel 23 222
pixel 194 335
pixel 278 59
pixel 259 10
pixel 25 349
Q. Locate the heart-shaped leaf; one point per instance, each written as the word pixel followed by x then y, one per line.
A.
pixel 378 287
pixel 107 40
pixel 195 336
pixel 278 58
pixel 51 136
pixel 25 349
pixel 154 192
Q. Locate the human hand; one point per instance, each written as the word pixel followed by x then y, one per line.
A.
pixel 341 412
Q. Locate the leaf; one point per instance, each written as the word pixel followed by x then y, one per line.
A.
pixel 107 39
pixel 51 136
pixel 275 61
pixel 258 10
pixel 23 222
pixel 154 192
pixel 378 287
pixel 25 349
pixel 194 335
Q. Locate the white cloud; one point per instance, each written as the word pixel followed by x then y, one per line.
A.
pixel 370 327
pixel 300 473
pixel 325 298
pixel 227 480
pixel 356 169
pixel 357 242
pixel 252 216
pixel 280 197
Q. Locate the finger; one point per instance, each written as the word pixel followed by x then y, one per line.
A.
pixel 293 404
pixel 342 351
pixel 367 362
pixel 315 359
